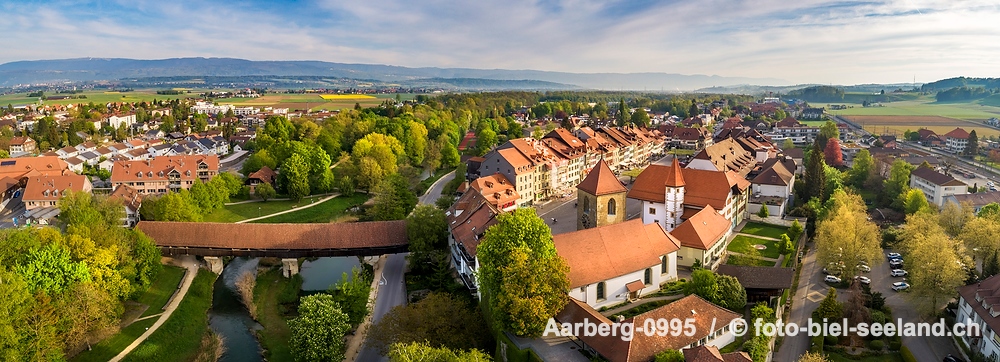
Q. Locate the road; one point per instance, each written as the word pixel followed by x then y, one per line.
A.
pixel 390 295
pixel 808 294
pixel 434 192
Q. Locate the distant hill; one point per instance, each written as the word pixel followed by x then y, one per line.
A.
pixel 94 69
pixel 958 82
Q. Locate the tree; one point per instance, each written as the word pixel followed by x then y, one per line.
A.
pixel 832 153
pixel 979 235
pixel 427 230
pixel 795 231
pixel 990 211
pixel 785 245
pixel 15 307
pixel 393 199
pixel 763 212
pixel 318 332
pixel 351 294
pixel 523 280
pixel 50 269
pixel 265 191
pixel 915 202
pixel 440 320
pixel 897 184
pixel 954 217
pixel 295 173
pixel 846 234
pixel 828 131
pixel 422 352
pixel 787 144
pixel 670 355
pixel 830 308
pixel 730 294
pixel 257 161
pixel 815 178
pixel 861 169
pixel 972 148
pixel 640 118
pixel 622 116
pixel 703 284
pixel 812 357
pixel 941 259
pixel 485 141
pixel 376 156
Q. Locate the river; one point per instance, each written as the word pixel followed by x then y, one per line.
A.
pixel 230 319
pixel 322 273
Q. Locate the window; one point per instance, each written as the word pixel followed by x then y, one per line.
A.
pixel 586 205
pixel 652 211
pixel 611 207
pixel 648 278
pixel 600 291
pixel 663 265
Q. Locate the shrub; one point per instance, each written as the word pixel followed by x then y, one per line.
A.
pixel 876 345
pixel 830 340
pixel 816 345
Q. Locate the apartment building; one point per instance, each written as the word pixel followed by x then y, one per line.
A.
pixel 158 175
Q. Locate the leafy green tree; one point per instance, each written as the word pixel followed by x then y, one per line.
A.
pixel 257 161
pixel 846 234
pixel 670 355
pixel 862 168
pixel 787 144
pixel 376 156
pixel 318 332
pixel 15 307
pixel 50 269
pixel 427 230
pixel 704 284
pixel 485 141
pixel 730 294
pixel 828 131
pixel 763 212
pixel 423 352
pixel 915 202
pixel 896 185
pixel 942 262
pixel 229 182
pixel 523 280
pixel 640 118
pixel 785 244
pixel 265 191
pixel 795 231
pixel 393 199
pixel 295 174
pixel 351 294
pixel 172 206
pixel 440 320
pixel 346 186
pixel 990 211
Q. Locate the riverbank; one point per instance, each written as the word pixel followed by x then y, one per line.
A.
pixel 179 338
pixel 277 301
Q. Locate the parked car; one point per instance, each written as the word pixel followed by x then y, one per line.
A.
pixel 832 279
pixel 898 273
pixel 832 270
pixel 950 358
pixel 895 265
pixel 893 255
pixel 864 268
pixel 863 280
pixel 899 286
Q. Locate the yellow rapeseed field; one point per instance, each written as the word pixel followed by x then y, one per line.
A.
pixel 345 96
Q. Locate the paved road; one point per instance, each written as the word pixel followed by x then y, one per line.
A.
pixel 434 192
pixel 808 294
pixel 390 295
pixel 191 265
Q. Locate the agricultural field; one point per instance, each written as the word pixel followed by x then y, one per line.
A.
pixel 17 99
pixel 315 102
pixel 899 124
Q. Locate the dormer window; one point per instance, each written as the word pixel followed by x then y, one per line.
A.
pixel 139 175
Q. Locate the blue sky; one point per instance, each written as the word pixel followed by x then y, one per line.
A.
pixel 814 41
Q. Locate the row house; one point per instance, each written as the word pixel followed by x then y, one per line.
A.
pixel 598 147
pixel 166 173
pixel 572 153
pixel 979 308
pixel 468 220
pixel 131 201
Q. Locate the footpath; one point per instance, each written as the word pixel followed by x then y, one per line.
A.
pixel 191 266
pixel 320 201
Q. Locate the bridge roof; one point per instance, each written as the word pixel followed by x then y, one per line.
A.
pixel 357 235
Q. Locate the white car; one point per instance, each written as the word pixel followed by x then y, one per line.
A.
pixel 831 279
pixel 864 268
pixel 898 273
pixel 898 286
pixel 893 256
pixel 863 280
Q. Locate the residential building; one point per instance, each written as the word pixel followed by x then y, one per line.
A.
pixel 44 191
pixel 496 190
pixel 209 108
pixel 616 263
pixel 813 113
pixel 929 138
pixel 976 200
pixel 956 140
pixel 774 186
pixel 979 306
pixel 21 145
pixel 725 155
pixel 517 169
pixel 131 200
pixel 263 175
pixel 468 220
pixel 935 185
pixel 800 134
pixel 712 354
pixel 710 322
pixel 116 120
pixel 704 238
pixel 165 173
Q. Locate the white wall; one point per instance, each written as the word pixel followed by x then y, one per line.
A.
pixel 771 190
pixel 701 164
pixel 988 345
pixel 614 288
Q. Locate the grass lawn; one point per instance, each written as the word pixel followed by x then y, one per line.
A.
pixel 322 213
pixel 765 230
pixel 180 337
pixel 743 244
pixel 275 297
pixel 112 346
pixel 744 260
pixel 161 289
pixel 234 213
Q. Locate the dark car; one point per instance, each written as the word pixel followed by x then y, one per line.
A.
pixel 950 358
pixel 896 265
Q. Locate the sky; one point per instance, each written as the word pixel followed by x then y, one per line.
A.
pixel 801 41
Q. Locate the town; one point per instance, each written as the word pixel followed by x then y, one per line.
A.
pixel 491 216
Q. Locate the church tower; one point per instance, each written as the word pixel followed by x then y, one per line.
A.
pixel 600 199
pixel 674 196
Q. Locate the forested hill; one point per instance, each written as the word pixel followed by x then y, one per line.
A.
pixel 92 69
pixel 945 84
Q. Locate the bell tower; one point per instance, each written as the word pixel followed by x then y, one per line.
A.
pixel 600 198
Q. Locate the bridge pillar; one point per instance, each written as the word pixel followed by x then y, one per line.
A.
pixel 289 267
pixel 214 264
pixel 371 260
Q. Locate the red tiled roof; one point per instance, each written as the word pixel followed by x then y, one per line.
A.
pixel 702 230
pixel 957 133
pixel 601 181
pixel 276 236
pixel 496 189
pixel 51 188
pixel 705 353
pixel 602 253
